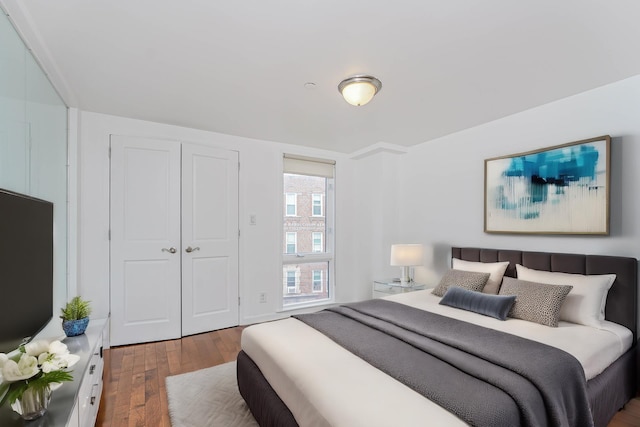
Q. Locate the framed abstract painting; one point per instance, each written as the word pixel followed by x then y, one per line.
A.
pixel 557 190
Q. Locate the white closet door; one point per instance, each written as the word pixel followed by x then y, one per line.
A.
pixel 209 238
pixel 145 240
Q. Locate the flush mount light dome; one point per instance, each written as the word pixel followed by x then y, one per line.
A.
pixel 360 89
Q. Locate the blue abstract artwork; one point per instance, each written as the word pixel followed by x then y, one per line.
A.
pixel 562 189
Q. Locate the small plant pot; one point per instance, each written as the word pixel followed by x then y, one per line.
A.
pixel 73 328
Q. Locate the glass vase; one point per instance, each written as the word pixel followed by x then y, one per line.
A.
pixel 33 403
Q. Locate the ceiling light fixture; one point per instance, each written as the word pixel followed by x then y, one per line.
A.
pixel 360 89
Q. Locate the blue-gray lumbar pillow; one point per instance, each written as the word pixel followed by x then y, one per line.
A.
pixel 497 306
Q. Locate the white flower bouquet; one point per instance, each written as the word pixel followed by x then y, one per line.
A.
pixel 37 366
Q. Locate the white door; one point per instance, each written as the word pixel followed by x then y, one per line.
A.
pixel 145 240
pixel 209 239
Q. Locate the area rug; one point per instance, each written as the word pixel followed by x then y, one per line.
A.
pixel 208 397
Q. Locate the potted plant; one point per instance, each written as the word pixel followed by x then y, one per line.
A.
pixel 75 316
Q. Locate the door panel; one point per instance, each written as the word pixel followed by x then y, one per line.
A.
pixel 145 225
pixel 209 179
pixel 147 198
pixel 209 297
pixel 210 228
pixel 147 281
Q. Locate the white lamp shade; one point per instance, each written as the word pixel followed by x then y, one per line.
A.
pixel 407 255
pixel 359 93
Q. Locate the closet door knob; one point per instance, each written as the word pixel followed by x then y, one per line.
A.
pixel 170 250
pixel 190 249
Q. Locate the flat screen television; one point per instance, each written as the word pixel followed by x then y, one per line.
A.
pixel 26 267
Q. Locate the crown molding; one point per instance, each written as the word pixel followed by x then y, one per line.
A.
pixel 22 21
pixel 379 147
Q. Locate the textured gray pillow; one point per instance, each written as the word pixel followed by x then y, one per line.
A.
pixel 464 279
pixel 535 302
pixel 497 306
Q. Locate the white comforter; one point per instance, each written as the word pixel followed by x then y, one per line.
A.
pixel 325 385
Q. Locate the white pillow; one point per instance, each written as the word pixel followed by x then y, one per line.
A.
pixel 586 301
pixel 495 269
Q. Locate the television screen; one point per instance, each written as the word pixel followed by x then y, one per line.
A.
pixel 26 267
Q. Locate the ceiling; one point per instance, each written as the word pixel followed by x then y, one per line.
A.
pixel 239 67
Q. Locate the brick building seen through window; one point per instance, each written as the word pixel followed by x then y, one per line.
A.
pixel 304 233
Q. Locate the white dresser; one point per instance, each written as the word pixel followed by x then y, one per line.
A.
pixel 75 403
pixel 88 400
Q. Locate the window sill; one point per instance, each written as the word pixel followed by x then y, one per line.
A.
pixel 318 304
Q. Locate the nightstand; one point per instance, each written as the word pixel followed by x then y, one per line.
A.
pixel 386 287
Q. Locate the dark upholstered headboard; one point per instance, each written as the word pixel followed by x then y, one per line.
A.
pixel 622 299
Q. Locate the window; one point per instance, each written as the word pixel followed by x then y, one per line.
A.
pixel 291 282
pixel 317 241
pixel 316 205
pixel 317 281
pixel 292 243
pixel 307 231
pixel 291 201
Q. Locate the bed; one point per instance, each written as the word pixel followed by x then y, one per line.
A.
pixel 290 373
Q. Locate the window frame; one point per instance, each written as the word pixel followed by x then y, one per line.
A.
pixel 328 238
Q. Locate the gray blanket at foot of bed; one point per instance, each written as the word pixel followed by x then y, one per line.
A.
pixel 483 376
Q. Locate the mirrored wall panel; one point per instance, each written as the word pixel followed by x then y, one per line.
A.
pixel 33 141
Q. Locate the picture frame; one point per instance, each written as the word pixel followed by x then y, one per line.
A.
pixel 563 189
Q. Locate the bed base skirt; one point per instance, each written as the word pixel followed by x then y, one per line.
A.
pixel 265 405
pixel 608 392
pixel 613 388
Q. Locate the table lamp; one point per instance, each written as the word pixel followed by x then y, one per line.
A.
pixel 406 256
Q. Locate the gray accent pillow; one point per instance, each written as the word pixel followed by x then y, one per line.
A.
pixel 535 302
pixel 497 306
pixel 470 280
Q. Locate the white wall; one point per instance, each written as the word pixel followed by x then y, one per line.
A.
pixel 377 192
pixel 433 194
pixel 260 194
pixel 442 180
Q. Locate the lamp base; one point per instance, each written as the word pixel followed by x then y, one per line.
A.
pixel 405 276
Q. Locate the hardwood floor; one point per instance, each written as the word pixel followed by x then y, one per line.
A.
pixel 629 416
pixel 134 390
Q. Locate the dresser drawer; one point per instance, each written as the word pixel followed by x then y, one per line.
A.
pixel 91 390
